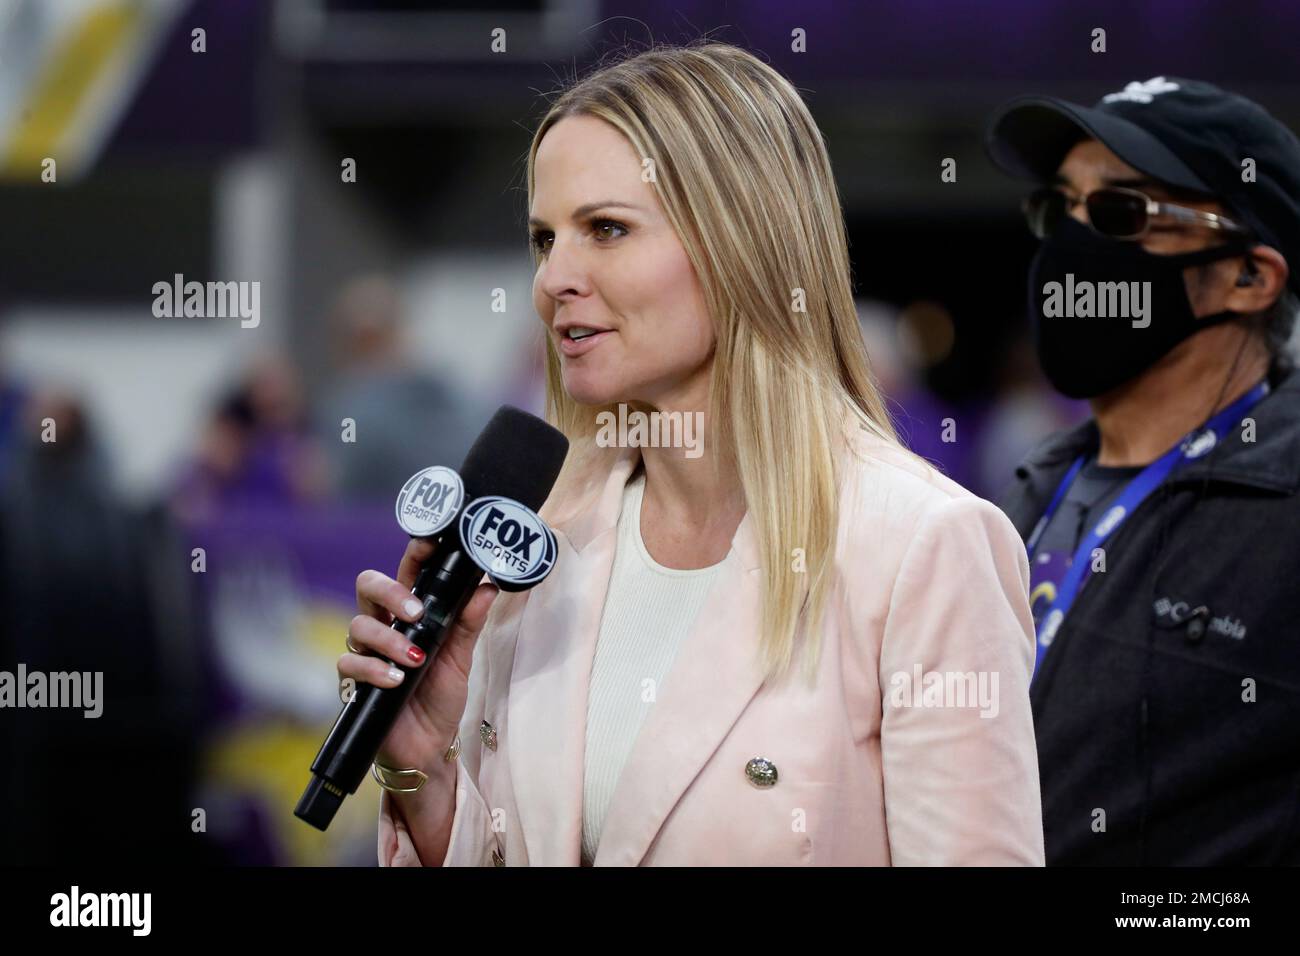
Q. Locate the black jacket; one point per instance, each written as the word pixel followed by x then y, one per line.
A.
pixel 1141 708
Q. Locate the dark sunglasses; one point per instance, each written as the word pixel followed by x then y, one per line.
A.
pixel 1115 211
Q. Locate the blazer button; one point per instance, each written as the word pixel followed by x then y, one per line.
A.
pixel 488 734
pixel 498 858
pixel 761 772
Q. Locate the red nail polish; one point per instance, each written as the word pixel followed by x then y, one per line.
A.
pixel 415 654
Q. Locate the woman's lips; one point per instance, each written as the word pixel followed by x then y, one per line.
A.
pixel 575 347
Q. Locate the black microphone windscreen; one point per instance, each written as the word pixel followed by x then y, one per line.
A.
pixel 518 456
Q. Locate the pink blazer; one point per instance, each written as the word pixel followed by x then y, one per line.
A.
pixel 877 765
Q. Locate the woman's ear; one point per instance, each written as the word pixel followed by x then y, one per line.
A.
pixel 1261 280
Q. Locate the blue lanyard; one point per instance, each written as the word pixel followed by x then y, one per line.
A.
pixel 1195 444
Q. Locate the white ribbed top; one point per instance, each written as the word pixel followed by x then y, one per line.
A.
pixel 649 610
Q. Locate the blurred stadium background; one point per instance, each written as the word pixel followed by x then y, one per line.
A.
pixel 225 164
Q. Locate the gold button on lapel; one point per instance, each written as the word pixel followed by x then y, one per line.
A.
pixel 761 772
pixel 488 734
pixel 498 858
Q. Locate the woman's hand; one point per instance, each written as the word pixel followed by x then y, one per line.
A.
pixel 428 721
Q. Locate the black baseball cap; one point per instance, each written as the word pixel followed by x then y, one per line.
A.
pixel 1185 133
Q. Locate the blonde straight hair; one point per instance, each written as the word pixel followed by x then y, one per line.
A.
pixel 743 176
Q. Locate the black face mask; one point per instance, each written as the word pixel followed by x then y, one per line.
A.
pixel 1085 349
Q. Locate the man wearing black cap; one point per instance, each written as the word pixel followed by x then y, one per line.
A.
pixel 1164 532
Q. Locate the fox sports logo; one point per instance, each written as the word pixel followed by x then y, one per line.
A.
pixel 429 500
pixel 508 541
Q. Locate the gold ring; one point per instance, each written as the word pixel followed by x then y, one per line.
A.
pixel 348 641
pixel 452 751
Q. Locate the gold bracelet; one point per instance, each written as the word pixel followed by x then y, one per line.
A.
pixel 377 767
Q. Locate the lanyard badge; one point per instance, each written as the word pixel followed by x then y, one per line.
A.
pixel 1062 582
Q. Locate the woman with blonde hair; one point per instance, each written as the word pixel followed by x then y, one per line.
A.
pixel 790 642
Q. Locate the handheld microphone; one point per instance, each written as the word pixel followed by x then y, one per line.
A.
pixel 487 520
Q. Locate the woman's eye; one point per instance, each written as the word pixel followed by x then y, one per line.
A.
pixel 600 225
